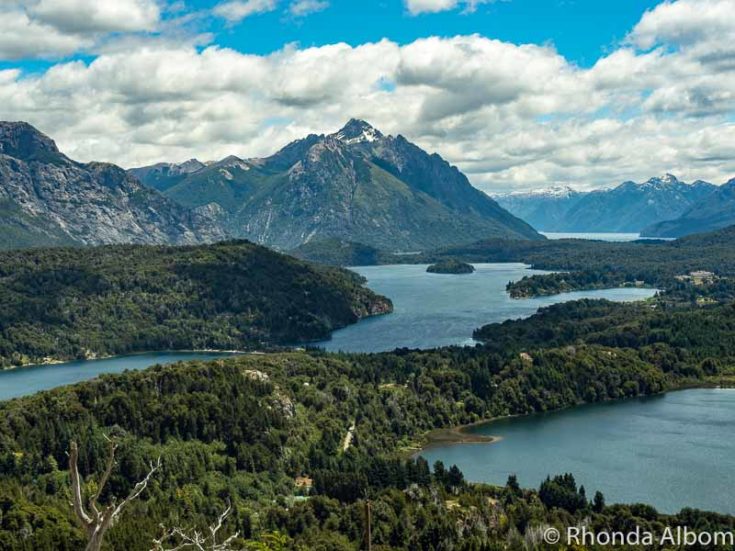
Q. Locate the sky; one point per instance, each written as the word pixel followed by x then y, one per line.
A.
pixel 519 94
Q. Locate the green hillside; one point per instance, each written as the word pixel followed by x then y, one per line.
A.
pixel 86 302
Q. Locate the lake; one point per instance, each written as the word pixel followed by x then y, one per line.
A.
pixel 670 451
pixel 603 236
pixel 30 379
pixel 432 310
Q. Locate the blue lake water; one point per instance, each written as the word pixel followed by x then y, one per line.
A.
pixel 599 236
pixel 434 310
pixel 670 451
pixel 28 380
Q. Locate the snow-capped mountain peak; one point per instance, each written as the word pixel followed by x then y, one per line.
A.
pixel 667 179
pixel 357 131
pixel 559 192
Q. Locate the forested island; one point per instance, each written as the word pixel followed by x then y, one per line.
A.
pixel 450 266
pixel 69 303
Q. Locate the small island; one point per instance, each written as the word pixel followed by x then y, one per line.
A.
pixel 450 267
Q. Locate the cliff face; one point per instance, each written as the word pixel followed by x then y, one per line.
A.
pixel 47 199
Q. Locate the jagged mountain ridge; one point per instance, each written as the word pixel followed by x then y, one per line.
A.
pixel 356 184
pixel 714 212
pixel 48 199
pixel 162 176
pixel 629 207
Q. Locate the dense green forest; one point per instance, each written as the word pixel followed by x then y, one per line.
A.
pixel 244 430
pixel 71 303
pixel 306 446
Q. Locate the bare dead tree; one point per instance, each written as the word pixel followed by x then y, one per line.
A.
pixel 96 519
pixel 196 540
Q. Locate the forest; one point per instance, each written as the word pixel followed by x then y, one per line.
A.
pixel 69 303
pixel 266 434
pixel 313 450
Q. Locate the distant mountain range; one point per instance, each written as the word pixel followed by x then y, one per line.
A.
pixel 48 199
pixel 713 212
pixel 356 184
pixel 630 207
pixel 544 209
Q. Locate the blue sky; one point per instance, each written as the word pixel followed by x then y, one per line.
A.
pixel 581 30
pixel 519 94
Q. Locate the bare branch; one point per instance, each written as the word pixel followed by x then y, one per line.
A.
pixel 195 540
pixel 93 502
pixel 216 527
pixel 139 487
pixel 97 523
pixel 76 487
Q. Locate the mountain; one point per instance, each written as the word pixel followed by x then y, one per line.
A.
pixel 713 212
pixel 355 185
pixel 544 209
pixel 629 207
pixel 162 176
pixel 48 199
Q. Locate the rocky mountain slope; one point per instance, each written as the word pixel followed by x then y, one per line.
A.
pixel 715 211
pixel 356 185
pixel 48 199
pixel 162 176
pixel 544 209
pixel 629 207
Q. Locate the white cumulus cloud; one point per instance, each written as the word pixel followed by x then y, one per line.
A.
pixel 416 7
pixel 301 8
pixel 237 10
pixel 21 36
pixel 686 22
pixel 57 28
pixel 82 16
pixel 511 116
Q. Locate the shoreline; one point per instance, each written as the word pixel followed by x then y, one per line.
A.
pixel 459 435
pixel 55 361
pixel 453 435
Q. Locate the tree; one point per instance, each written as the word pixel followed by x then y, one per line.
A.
pixel 96 519
pixel 512 484
pixel 598 503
